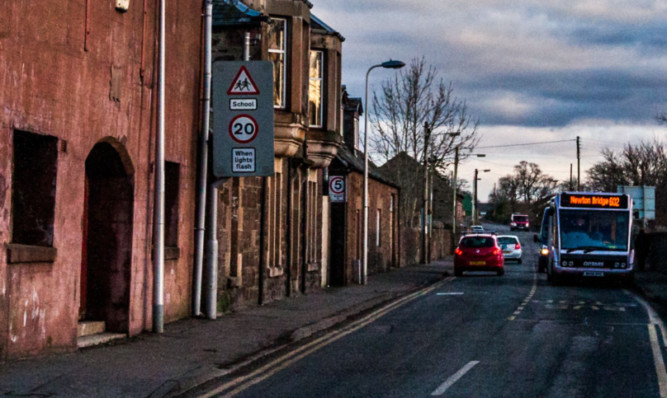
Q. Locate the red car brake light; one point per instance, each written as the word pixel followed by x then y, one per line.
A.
pixel 517 246
pixel 496 251
pixel 458 252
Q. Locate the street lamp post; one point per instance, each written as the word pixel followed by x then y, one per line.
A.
pixel 427 135
pixel 454 187
pixel 391 64
pixel 474 202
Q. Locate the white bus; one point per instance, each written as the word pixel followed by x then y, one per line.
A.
pixel 587 234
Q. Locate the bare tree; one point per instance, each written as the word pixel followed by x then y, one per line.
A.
pixel 524 190
pixel 641 164
pixel 416 112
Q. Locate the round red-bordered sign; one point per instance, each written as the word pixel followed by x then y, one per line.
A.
pixel 243 129
pixel 337 184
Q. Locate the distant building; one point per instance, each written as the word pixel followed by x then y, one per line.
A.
pixel 409 175
pixel 347 212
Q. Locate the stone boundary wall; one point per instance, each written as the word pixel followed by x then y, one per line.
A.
pixel 410 245
pixel 656 258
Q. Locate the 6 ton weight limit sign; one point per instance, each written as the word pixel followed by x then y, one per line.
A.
pixel 243 119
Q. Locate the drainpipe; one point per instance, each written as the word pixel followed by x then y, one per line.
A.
pixel 304 230
pixel 288 259
pixel 200 227
pixel 262 241
pixel 210 302
pixel 158 233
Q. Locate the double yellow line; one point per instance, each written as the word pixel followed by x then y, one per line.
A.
pixel 242 383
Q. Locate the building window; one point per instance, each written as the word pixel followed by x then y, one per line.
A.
pixel 357 220
pixel 315 90
pixel 378 228
pixel 391 222
pixel 171 187
pixel 34 189
pixel 277 55
pixel 312 246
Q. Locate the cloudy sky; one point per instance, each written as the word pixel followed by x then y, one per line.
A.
pixel 530 70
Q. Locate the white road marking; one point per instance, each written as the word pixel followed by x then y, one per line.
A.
pixel 652 316
pixel 241 383
pixel 654 323
pixel 659 362
pixel 454 378
pixel 525 302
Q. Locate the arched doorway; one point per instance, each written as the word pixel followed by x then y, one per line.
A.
pixel 107 237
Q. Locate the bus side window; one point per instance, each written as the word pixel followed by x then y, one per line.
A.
pixel 554 231
pixel 547 219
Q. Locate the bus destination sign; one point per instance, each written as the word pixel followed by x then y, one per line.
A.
pixel 593 201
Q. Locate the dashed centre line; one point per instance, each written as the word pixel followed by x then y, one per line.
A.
pixel 525 301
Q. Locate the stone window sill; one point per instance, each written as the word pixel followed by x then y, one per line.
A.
pixel 314 266
pixel 172 253
pixel 275 272
pixel 18 253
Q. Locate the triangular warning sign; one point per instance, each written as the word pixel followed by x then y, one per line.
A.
pixel 243 84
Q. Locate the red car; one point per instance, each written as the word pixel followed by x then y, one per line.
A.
pixel 479 252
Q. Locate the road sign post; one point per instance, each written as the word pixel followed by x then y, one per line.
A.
pixel 243 119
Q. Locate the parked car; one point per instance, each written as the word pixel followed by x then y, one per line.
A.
pixel 476 229
pixel 478 252
pixel 519 221
pixel 511 247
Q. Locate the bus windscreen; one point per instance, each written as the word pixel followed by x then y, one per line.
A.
pixel 594 230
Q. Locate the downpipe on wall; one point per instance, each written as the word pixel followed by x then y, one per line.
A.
pixel 158 233
pixel 200 227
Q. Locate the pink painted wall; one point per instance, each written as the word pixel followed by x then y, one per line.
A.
pixel 53 85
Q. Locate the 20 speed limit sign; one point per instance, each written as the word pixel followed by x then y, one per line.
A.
pixel 243 129
pixel 243 122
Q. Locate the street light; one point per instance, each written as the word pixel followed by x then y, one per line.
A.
pixel 456 167
pixel 424 255
pixel 391 64
pixel 474 202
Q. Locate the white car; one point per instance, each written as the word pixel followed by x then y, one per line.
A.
pixel 477 229
pixel 511 247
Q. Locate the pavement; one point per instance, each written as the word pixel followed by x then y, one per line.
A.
pixel 193 351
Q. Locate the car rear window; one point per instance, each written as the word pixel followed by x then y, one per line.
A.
pixel 506 241
pixel 520 218
pixel 477 241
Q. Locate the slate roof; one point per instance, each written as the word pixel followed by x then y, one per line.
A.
pixel 318 24
pixel 356 163
pixel 233 12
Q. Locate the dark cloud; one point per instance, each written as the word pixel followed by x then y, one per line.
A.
pixel 549 70
pixel 560 98
pixel 650 37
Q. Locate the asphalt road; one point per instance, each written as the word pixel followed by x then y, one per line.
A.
pixel 481 335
